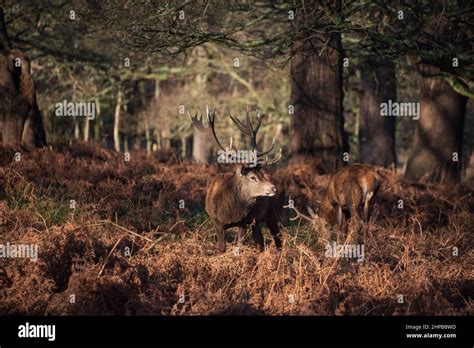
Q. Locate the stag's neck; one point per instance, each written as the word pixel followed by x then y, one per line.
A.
pixel 232 206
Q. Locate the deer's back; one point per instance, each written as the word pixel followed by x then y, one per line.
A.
pixel 350 184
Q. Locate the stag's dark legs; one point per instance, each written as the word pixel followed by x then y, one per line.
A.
pixel 220 238
pixel 275 230
pixel 340 223
pixel 258 236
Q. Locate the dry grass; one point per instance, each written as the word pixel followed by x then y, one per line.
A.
pixel 134 206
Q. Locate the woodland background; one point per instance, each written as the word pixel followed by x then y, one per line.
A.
pixel 146 66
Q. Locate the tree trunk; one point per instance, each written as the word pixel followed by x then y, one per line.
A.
pixel 86 129
pixel 376 133
pixel 201 143
pixel 147 137
pixel 165 137
pixel 316 95
pixel 200 147
pixel 158 140
pixel 20 119
pixel 118 105
pixel 184 144
pixel 77 132
pixel 97 135
pixel 437 145
pixel 125 144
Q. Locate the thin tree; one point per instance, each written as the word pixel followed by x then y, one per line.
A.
pixel 118 106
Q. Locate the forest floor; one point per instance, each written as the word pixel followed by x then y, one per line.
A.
pixel 118 237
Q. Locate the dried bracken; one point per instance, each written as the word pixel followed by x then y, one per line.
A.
pixel 129 248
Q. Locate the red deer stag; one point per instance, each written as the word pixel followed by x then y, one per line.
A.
pixel 245 197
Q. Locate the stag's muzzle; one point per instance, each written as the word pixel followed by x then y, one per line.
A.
pixel 270 191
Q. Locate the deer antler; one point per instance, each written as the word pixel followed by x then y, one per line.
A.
pixel 210 130
pixel 250 131
pixel 247 128
pixel 267 162
pixel 300 215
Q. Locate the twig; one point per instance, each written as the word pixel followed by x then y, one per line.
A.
pixel 110 253
pixel 176 223
pixel 129 231
pixel 44 221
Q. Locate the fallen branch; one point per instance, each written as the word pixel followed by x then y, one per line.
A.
pixel 129 231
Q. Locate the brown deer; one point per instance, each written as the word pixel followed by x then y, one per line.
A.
pixel 349 188
pixel 246 197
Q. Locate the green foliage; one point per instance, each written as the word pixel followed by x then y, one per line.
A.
pixel 148 169
pixel 17 200
pixel 53 212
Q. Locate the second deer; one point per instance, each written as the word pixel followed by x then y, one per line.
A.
pixel 350 191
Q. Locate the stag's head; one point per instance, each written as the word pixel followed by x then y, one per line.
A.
pixel 254 182
pixel 250 175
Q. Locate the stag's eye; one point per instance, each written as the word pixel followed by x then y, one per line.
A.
pixel 253 178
